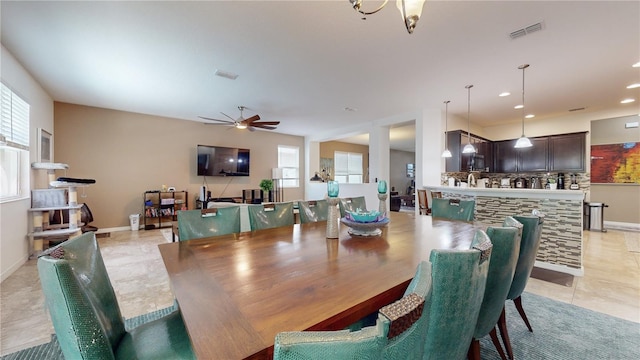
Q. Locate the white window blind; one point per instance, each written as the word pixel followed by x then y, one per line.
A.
pixel 14 119
pixel 14 146
pixel 289 162
pixel 348 167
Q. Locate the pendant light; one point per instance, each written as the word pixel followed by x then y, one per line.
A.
pixel 446 153
pixel 468 149
pixel 524 141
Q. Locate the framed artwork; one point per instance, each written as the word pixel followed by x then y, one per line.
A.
pixel 410 170
pixel 615 163
pixel 45 143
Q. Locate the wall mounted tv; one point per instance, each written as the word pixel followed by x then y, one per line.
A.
pixel 222 161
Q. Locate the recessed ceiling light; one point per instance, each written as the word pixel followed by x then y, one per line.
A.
pixel 636 64
pixel 503 94
pixel 518 106
pixel 530 116
pixel 633 86
pixel 626 101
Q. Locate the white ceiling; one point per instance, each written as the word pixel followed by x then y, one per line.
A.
pixel 303 62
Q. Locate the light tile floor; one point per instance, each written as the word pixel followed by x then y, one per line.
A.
pixel 611 283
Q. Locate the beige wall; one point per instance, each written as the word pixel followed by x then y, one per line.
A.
pixel 128 153
pixel 327 149
pixel 623 200
pixel 398 161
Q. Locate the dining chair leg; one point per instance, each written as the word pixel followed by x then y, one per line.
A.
pixel 474 350
pixel 518 302
pixel 496 343
pixel 504 334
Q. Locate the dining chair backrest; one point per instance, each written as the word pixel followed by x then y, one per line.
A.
pixel 313 210
pixel 453 209
pixel 352 204
pixel 81 301
pixel 531 231
pixel 458 285
pixel 423 203
pixel 271 215
pixel 194 224
pixel 504 256
pixel 85 312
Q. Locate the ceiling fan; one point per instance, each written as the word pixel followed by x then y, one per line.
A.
pixel 242 123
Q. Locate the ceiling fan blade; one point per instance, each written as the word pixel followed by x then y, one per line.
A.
pixel 267 123
pixel 252 119
pixel 266 127
pixel 232 119
pixel 212 119
pixel 250 128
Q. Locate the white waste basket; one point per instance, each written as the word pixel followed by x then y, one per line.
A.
pixel 134 220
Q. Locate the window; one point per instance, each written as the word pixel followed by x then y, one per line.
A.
pixel 14 146
pixel 289 162
pixel 348 167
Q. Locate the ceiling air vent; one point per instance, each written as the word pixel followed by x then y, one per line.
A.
pixel 226 74
pixel 577 109
pixel 526 30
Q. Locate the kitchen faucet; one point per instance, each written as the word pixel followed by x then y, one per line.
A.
pixel 471 180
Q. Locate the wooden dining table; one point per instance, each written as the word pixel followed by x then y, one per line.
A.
pixel 237 291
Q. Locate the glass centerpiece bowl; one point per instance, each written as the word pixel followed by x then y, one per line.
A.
pixel 365 223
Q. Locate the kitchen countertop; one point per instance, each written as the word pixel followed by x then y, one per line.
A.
pixel 513 192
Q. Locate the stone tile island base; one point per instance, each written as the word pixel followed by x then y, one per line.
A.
pixel 561 243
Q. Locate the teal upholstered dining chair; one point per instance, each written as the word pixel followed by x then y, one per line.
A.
pixel 194 224
pixel 313 210
pixel 352 204
pixel 451 285
pixel 453 209
pixel 504 256
pixel 86 315
pixel 266 216
pixel 531 231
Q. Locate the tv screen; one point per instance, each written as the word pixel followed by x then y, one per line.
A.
pixel 222 161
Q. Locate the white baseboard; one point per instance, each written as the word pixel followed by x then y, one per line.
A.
pixel 13 268
pixel 621 226
pixel 560 268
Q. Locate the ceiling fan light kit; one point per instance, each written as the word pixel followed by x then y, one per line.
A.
pixel 250 123
pixel 410 10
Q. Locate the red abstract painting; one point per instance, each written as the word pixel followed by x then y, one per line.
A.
pixel 615 163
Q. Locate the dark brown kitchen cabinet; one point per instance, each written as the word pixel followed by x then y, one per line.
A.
pixel 456 140
pixel 567 152
pixel 505 156
pixel 535 158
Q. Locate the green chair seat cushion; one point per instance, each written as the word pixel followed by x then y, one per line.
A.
pixel 164 338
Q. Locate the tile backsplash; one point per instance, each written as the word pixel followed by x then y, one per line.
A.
pixel 582 178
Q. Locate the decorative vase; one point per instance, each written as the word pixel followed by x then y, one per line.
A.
pixel 333 216
pixel 382 196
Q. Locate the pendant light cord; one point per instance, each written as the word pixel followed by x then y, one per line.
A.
pixel 523 67
pixel 469 113
pixel 446 122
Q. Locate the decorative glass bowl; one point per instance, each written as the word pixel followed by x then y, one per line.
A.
pixel 372 228
pixel 363 216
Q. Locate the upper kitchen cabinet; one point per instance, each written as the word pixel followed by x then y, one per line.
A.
pixel 536 157
pixel 479 161
pixel 505 155
pixel 567 152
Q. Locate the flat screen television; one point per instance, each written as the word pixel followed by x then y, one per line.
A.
pixel 222 161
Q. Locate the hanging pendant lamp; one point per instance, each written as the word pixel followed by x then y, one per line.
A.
pixel 468 149
pixel 446 153
pixel 523 141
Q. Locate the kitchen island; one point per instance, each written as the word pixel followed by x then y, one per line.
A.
pixel 561 243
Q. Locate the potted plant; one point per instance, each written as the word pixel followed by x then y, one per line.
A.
pixel 552 183
pixel 266 185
